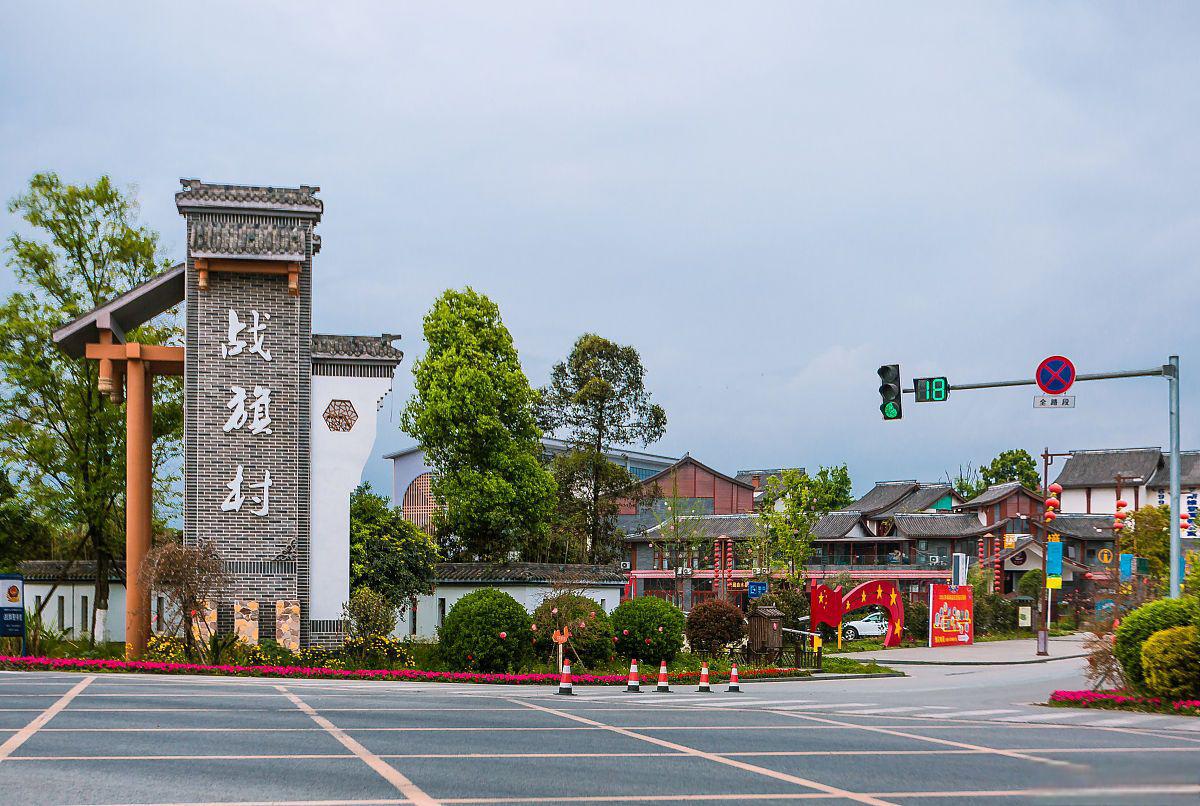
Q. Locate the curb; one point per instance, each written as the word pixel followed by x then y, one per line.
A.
pixel 894 662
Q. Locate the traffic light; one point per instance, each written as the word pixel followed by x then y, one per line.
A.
pixel 889 391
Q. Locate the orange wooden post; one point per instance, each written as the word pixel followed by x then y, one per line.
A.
pixel 138 503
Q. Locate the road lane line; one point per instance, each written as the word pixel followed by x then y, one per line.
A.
pixel 26 733
pixel 1053 762
pixel 386 771
pixel 741 765
pixel 1072 793
pixel 983 712
pixel 1046 717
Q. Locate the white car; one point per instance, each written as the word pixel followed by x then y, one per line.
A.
pixel 871 625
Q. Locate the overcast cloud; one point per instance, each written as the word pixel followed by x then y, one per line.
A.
pixel 767 200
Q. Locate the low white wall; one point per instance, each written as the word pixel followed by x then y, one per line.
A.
pixel 75 620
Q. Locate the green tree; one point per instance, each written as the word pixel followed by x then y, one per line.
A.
pixel 793 503
pixel 1149 536
pixel 1012 465
pixel 680 535
pixel 24 537
pixel 598 398
pixel 1031 584
pixel 388 554
pixel 61 439
pixel 473 414
pixel 590 491
pixel 968 483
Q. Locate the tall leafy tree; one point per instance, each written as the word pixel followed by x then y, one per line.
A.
pixel 793 503
pixel 61 439
pixel 589 499
pixel 388 554
pixel 597 398
pixel 1150 537
pixel 968 483
pixel 22 537
pixel 473 414
pixel 681 535
pixel 1012 465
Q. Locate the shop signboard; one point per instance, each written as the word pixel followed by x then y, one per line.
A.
pixel 951 615
pixel 756 588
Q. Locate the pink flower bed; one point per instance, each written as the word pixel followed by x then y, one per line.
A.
pixel 416 675
pixel 1121 701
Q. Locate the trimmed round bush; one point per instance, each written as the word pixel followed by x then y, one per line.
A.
pixel 648 628
pixel 1171 663
pixel 591 642
pixel 916 620
pixel 714 625
pixel 1148 619
pixel 470 637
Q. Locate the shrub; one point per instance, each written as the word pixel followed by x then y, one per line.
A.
pixel 994 613
pixel 376 652
pixel 791 601
pixel 368 614
pixel 1171 663
pixel 591 641
pixel 648 628
pixel 471 636
pixel 1031 583
pixel 268 653
pixel 916 620
pixel 166 649
pixel 713 625
pixel 1148 619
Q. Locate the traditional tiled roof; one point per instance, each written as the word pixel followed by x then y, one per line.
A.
pixel 997 493
pixel 1100 468
pixel 550 573
pixel 747 476
pixel 356 348
pixel 199 194
pixel 943 524
pixel 242 239
pixel 920 499
pixel 136 306
pixel 1189 471
pixel 689 459
pixel 706 527
pixel 836 524
pixel 883 496
pixel 67 571
pixel 1027 542
pixel 1084 527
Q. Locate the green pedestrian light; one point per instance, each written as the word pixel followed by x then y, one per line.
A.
pixel 889 392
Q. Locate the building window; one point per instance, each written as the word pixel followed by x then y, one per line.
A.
pixel 603 605
pixel 642 473
pixel 62 614
pixel 418 505
pixel 83 610
pixel 441 612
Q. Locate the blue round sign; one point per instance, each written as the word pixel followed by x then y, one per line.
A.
pixel 1055 375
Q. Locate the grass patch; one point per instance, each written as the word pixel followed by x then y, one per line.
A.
pixel 840 665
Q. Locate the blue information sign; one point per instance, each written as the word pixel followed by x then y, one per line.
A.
pixel 755 589
pixel 12 606
pixel 1054 559
pixel 1126 567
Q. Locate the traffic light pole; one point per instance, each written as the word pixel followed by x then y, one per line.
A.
pixel 1170 371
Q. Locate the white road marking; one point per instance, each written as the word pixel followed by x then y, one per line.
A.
pixel 983 712
pixel 24 734
pixel 1051 717
pixel 898 710
pixel 386 771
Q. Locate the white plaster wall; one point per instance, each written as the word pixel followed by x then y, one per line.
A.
pixel 405 469
pixel 74 617
pixel 1104 499
pixel 530 596
pixel 338 458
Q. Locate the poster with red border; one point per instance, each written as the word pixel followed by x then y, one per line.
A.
pixel 951 615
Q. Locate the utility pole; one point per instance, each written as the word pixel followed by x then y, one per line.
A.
pixel 1043 633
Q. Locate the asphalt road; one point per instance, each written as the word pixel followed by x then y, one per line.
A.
pixel 942 735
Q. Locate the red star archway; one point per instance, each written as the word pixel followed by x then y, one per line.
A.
pixel 828 605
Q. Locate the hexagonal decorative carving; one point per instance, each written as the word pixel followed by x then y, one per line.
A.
pixel 340 415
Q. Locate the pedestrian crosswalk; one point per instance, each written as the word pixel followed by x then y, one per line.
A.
pixel 944 714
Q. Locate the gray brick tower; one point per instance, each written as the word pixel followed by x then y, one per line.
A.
pixel 247 384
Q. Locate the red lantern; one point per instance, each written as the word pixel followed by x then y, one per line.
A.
pixel 1055 488
pixel 647 642
pixel 1121 504
pixel 503 635
pixel 1051 503
pixel 1121 516
pixel 1118 526
pixel 1049 516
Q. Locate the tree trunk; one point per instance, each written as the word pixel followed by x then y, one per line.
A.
pixel 100 619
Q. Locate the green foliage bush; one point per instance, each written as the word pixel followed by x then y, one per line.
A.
pixel 1031 583
pixel 713 625
pixel 648 628
pixel 376 652
pixel 916 620
pixel 470 637
pixel 368 614
pixel 1171 663
pixel 1148 619
pixel 994 614
pixel 591 643
pixel 791 601
pixel 166 649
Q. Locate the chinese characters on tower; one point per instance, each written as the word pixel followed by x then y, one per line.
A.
pixel 253 414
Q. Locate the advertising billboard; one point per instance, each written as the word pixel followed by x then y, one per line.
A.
pixel 951 615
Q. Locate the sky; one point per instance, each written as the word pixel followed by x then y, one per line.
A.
pixel 768 200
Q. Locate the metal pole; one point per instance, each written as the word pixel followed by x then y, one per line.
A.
pixel 1176 537
pixel 1043 638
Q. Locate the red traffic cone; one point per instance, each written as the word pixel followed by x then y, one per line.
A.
pixel 733 688
pixel 564 683
pixel 704 687
pixel 663 687
pixel 634 684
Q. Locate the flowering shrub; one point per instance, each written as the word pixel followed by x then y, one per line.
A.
pixel 10 663
pixel 486 630
pixel 591 632
pixel 1120 701
pixel 378 651
pixel 166 648
pixel 648 628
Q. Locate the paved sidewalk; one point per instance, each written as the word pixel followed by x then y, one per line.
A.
pixel 985 653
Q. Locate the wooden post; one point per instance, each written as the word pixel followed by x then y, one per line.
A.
pixel 138 505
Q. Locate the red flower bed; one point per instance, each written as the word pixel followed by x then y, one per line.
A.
pixel 1119 700
pixel 321 673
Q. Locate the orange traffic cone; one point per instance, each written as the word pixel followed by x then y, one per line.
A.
pixel 704 687
pixel 734 688
pixel 564 683
pixel 663 687
pixel 634 684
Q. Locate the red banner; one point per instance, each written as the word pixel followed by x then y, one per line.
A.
pixel 951 615
pixel 825 606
